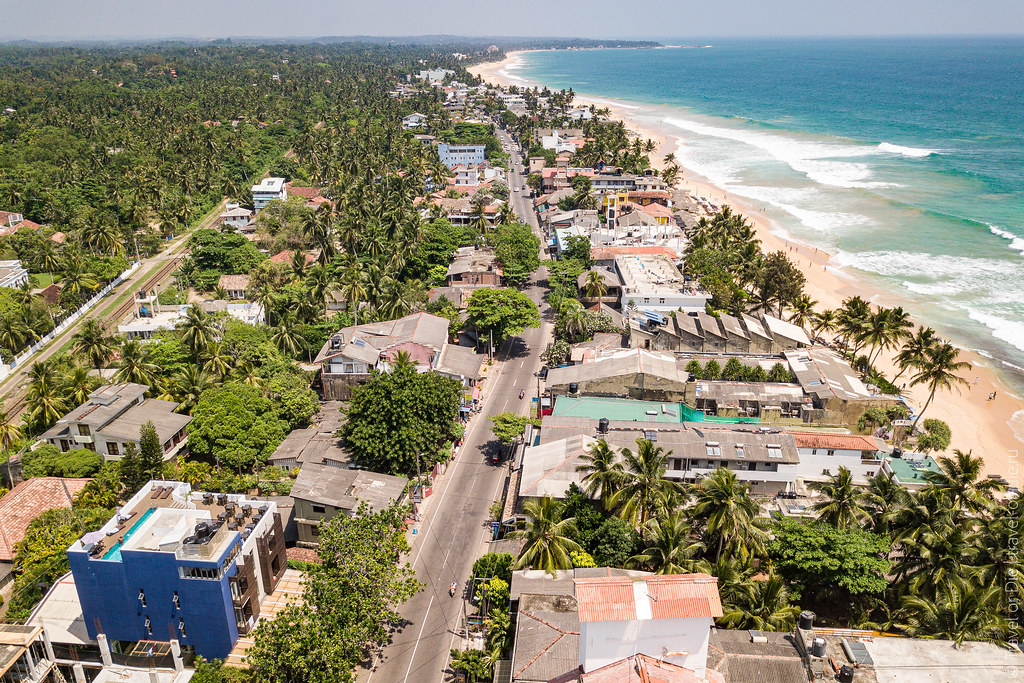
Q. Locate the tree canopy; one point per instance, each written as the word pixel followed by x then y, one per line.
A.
pixel 401 417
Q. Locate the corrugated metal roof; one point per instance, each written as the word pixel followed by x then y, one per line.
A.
pixel 677 596
pixel 853 442
pixel 605 599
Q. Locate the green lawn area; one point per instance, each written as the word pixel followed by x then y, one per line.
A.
pixel 41 280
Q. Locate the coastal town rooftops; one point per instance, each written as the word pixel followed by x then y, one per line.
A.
pixel 28 500
pixel 160 413
pixel 830 441
pixel 763 393
pixel 459 361
pixel 15 640
pixel 641 668
pixel 709 325
pixel 234 283
pixel 732 325
pixel 269 185
pixel 755 328
pixel 346 488
pixel 739 659
pixel 547 640
pixel 689 440
pixel 367 342
pixel 823 374
pixel 472 260
pixel 106 403
pixel 650 274
pixel 787 330
pixel 560 581
pixel 632 361
pixel 608 253
pixel 672 596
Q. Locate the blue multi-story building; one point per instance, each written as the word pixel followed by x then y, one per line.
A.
pixel 467 155
pixel 179 565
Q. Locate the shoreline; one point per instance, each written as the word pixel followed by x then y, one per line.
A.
pixel 979 425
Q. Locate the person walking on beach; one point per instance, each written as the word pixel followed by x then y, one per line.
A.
pixel 992 396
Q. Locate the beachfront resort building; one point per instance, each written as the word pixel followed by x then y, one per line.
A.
pixel 174 564
pixel 268 190
pixel 466 155
pixel 111 419
pixel 12 274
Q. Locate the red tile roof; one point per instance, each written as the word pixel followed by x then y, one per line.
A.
pixel 851 442
pixel 305 192
pixel 674 596
pixel 28 500
pixel 286 257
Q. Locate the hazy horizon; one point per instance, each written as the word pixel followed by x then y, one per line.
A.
pixel 141 20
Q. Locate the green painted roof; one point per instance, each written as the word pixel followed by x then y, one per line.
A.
pixel 910 470
pixel 595 408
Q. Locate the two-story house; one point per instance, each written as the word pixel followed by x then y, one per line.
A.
pixel 112 417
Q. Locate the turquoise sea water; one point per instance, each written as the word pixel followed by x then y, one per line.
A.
pixel 903 157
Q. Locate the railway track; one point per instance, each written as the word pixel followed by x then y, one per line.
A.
pixel 16 400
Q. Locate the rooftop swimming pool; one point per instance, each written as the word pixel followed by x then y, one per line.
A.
pixel 115 552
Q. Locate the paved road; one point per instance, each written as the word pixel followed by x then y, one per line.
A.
pixel 455 526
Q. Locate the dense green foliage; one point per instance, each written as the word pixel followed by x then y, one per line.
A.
pixel 349 604
pixel 48 461
pixel 402 420
pixel 236 425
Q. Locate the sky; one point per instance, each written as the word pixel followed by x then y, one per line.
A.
pixel 602 19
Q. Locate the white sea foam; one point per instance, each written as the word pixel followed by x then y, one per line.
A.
pixel 1010 331
pixel 609 103
pixel 1016 423
pixel 816 160
pixel 916 152
pixel 789 199
pixel 1016 242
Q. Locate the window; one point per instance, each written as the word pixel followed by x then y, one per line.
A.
pixel 661 300
pixel 651 434
pixel 142 597
pixel 774 451
pixel 831 451
pixel 319 509
pixel 83 430
pixel 314 530
pixel 713 449
pixel 199 573
pixel 739 450
pixel 112 448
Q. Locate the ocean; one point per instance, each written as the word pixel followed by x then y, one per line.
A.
pixel 904 158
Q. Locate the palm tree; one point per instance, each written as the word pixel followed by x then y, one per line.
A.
pixel 803 311
pixel 603 473
pixel 136 364
pixel 10 434
pixel 961 611
pixel 188 385
pixel 938 371
pixel 245 372
pixel 594 286
pixel 763 606
pixel 825 321
pixel 842 507
pixel 197 331
pixel 80 384
pixel 45 405
pixel 14 332
pixel 353 289
pixel 91 342
pixel 403 361
pixel 286 337
pixel 644 487
pixel 883 499
pixel 915 348
pixel 727 512
pixel 219 360
pixel 547 535
pixel 668 546
pixel 960 482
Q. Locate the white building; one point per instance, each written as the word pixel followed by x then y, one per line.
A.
pixel 822 454
pixel 668 617
pixel 414 120
pixel 558 143
pixel 652 281
pixel 467 155
pixel 12 274
pixel 267 191
pixel 434 76
pixel 235 216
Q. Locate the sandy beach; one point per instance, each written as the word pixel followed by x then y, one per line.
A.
pixel 978 424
